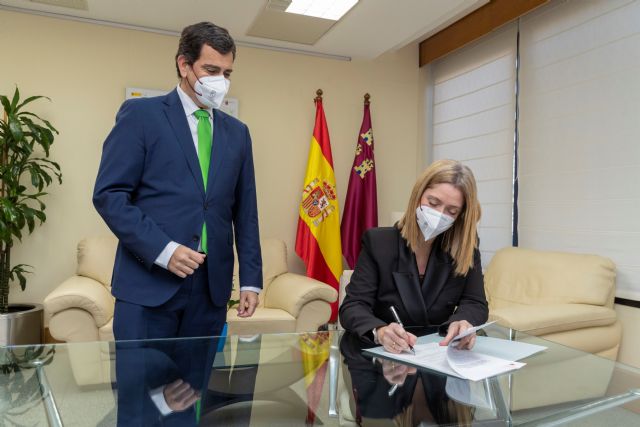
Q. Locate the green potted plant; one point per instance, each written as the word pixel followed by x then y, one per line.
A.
pixel 25 171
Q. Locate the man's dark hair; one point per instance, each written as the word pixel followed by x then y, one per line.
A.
pixel 197 35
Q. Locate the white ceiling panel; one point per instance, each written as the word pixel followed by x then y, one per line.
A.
pixel 370 29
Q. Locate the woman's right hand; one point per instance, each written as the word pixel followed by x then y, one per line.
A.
pixel 395 339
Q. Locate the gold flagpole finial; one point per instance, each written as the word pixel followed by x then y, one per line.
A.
pixel 319 95
pixel 366 99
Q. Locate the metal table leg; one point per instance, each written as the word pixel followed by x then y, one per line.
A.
pixel 50 407
pixel 334 362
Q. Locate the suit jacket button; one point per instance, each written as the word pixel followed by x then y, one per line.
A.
pixel 195 238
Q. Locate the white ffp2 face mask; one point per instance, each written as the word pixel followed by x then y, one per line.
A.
pixel 431 222
pixel 211 90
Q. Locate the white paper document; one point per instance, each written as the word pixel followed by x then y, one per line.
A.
pixel 467 364
pixel 476 366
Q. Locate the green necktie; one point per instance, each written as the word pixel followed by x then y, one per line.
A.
pixel 205 137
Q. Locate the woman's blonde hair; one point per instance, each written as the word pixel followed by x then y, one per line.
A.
pixel 460 240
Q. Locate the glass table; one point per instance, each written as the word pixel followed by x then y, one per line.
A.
pixel 318 378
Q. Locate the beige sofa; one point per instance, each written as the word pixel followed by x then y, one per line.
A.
pixel 80 309
pixel 562 297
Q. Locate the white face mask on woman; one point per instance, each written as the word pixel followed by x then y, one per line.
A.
pixel 211 90
pixel 432 222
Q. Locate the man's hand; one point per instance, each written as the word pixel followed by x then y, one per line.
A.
pixel 395 339
pixel 185 261
pixel 179 395
pixel 456 328
pixel 248 303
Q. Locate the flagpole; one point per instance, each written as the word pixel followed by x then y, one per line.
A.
pixel 318 96
pixel 366 99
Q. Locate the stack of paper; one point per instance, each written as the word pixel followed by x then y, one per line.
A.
pixel 489 357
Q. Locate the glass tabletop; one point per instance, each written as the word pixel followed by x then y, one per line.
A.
pixel 321 378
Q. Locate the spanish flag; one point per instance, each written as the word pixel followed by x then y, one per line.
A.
pixel 318 236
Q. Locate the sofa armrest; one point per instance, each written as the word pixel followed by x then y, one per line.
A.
pixel 84 293
pixel 546 319
pixel 290 292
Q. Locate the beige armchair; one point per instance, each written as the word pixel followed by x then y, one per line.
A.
pixel 81 307
pixel 562 297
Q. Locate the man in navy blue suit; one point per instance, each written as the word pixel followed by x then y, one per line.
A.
pixel 176 183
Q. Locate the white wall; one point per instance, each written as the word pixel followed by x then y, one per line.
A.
pixel 85 68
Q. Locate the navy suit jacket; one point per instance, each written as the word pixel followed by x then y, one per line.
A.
pixel 150 191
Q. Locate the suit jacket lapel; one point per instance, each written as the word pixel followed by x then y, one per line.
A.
pixel 438 270
pixel 219 148
pixel 178 120
pixel 408 284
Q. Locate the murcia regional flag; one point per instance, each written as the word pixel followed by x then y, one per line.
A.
pixel 318 236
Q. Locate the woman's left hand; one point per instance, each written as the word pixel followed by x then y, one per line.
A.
pixel 456 328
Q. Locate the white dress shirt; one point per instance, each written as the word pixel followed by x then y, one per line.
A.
pixel 190 107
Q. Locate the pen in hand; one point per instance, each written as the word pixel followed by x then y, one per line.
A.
pixel 399 322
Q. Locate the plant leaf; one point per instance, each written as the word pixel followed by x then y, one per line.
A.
pixel 35 179
pixel 5 104
pixel 46 122
pixel 22 280
pixel 29 216
pixel 41 216
pixel 16 232
pixel 30 99
pixel 16 98
pixel 15 128
pixel 19 272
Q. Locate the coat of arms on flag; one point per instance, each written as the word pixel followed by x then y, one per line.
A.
pixel 316 200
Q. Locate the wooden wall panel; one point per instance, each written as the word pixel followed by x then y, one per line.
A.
pixel 473 26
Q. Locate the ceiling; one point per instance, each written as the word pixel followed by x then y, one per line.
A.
pixel 370 29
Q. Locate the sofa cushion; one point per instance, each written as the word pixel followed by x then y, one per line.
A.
pixel 82 293
pixel 525 276
pixel 597 339
pixel 263 321
pixel 552 318
pixel 96 256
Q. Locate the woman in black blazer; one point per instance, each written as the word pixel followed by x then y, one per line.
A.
pixel 427 266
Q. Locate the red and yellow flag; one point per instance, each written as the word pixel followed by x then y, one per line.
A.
pixel 318 236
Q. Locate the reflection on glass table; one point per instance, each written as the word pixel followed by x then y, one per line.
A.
pixel 288 379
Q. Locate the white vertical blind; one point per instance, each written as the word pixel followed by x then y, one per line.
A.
pixel 473 122
pixel 580 132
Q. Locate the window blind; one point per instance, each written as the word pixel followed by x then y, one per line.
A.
pixel 580 132
pixel 473 122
